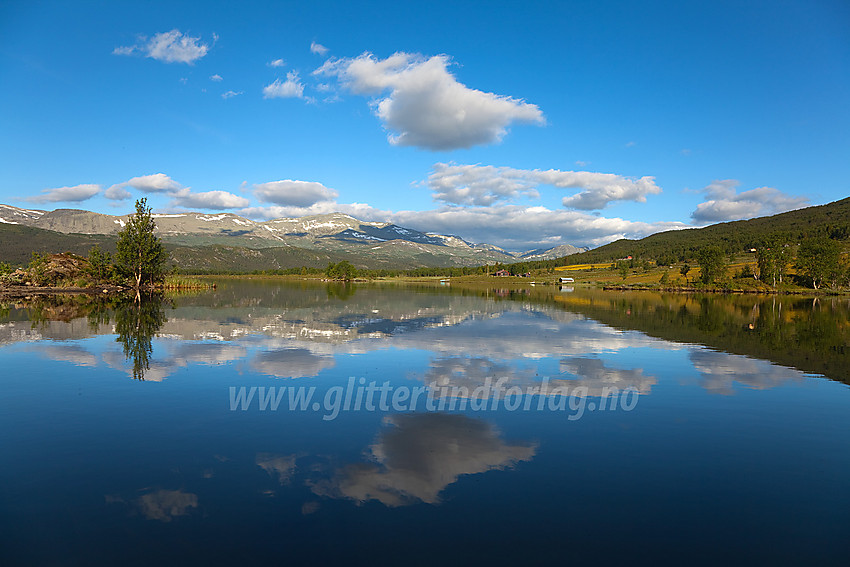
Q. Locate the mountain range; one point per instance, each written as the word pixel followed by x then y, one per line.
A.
pixel 279 243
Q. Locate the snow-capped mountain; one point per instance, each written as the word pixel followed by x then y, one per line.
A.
pixel 335 232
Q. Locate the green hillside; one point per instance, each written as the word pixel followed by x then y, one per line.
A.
pixel 17 243
pixel 832 220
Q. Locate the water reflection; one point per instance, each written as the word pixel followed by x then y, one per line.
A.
pixel 416 456
pixel 75 354
pixel 279 467
pixel 291 363
pixel 477 377
pixel 600 379
pixel 176 454
pixel 300 330
pixel 719 372
pixel 165 505
pixel 136 323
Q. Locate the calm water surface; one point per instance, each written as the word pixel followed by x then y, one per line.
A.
pixel 671 429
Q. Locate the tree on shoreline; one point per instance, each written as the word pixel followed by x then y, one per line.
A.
pixel 772 258
pixel 712 264
pixel 341 271
pixel 819 258
pixel 100 265
pixel 141 255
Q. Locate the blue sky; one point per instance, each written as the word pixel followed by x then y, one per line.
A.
pixel 522 124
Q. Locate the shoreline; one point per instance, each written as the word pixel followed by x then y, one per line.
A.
pixel 690 290
pixel 28 292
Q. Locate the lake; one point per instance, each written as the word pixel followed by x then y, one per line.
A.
pixel 311 423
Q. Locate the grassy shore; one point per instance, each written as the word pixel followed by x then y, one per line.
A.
pixel 737 279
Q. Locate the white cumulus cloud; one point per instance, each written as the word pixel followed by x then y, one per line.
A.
pixel 210 200
pixel 73 194
pixel 217 78
pixel 156 183
pixel 483 185
pixel 289 192
pixel 231 94
pixel 117 193
pixel 516 227
pixel 361 211
pixel 426 106
pixel 726 204
pixel 292 87
pixel 277 63
pixel 170 47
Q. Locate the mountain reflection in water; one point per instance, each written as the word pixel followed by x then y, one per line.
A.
pixel 296 331
pixel 730 421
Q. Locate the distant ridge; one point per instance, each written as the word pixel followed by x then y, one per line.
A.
pixel 321 237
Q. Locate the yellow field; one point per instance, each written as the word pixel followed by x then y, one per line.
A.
pixel 582 267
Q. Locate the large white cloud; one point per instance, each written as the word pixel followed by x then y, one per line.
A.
pixel 486 184
pixel 293 193
pixel 73 194
pixel 117 193
pixel 725 204
pixel 426 106
pixel 292 87
pixel 156 183
pixel 210 200
pixel 519 227
pixel 170 47
pixel 182 196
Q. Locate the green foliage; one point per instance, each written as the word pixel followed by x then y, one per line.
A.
pixel 141 255
pixel 100 267
pixel 341 271
pixel 665 259
pixel 712 263
pixel 665 279
pixel 772 258
pixel 684 271
pixel 745 273
pixel 5 272
pixel 37 269
pixel 623 269
pixel 819 259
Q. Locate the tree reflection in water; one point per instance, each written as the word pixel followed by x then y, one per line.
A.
pixel 136 323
